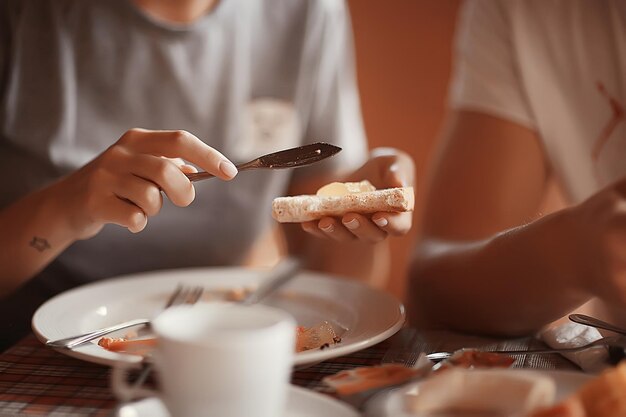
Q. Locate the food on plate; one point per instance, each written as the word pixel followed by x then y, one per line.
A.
pixel 128 345
pixel 469 358
pixel 320 336
pixel 360 379
pixel 227 294
pixel 367 377
pixel 603 396
pixel 496 391
pixel 236 294
pixel 337 199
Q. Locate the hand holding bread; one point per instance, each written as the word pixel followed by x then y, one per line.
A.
pixel 352 210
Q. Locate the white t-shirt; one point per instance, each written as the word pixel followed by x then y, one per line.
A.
pixel 558 67
pixel 251 77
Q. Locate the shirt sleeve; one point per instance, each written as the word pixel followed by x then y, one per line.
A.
pixel 330 96
pixel 486 74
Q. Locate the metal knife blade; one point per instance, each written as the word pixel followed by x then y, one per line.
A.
pixel 288 158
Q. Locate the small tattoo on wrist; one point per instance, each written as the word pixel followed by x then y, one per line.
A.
pixel 39 243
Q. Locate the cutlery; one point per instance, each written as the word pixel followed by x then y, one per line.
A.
pixel 614 341
pixel 181 295
pixel 361 400
pixel 594 322
pixel 192 298
pixel 288 158
pixel 282 273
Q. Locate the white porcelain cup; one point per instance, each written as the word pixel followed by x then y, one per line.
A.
pixel 219 359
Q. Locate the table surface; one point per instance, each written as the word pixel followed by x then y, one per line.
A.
pixel 36 380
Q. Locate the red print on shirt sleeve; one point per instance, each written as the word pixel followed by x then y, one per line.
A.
pixel 617 117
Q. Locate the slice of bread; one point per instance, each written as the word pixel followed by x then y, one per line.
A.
pixel 303 208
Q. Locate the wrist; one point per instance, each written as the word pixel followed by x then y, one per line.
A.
pixel 63 204
pixel 558 246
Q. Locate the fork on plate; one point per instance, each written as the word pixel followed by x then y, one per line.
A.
pixel 282 273
pixel 181 295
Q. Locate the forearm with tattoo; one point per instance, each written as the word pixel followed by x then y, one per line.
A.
pixel 39 243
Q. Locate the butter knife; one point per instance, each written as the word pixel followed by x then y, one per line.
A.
pixel 288 158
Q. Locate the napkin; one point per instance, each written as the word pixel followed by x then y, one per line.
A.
pixel 573 335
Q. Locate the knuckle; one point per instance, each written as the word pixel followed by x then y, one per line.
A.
pixel 115 151
pixel 180 137
pixel 109 157
pixel 165 169
pixel 130 135
pixel 153 200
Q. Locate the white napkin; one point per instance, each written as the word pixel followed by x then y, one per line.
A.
pixel 573 335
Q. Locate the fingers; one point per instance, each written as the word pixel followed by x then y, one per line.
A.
pixel 123 213
pixel 311 228
pixel 396 224
pixel 387 168
pixel 328 228
pixel 165 175
pixel 333 229
pixel 396 167
pixel 394 176
pixel 123 185
pixel 142 193
pixel 187 169
pixel 363 228
pixel 354 226
pixel 180 144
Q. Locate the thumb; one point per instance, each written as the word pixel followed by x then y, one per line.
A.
pixel 394 176
pixel 395 167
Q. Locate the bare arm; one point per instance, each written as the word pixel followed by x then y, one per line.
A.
pixel 34 232
pixel 123 186
pixel 486 262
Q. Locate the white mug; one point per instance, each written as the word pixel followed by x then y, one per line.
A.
pixel 219 359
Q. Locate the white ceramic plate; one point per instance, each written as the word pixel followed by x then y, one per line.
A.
pixel 392 404
pixel 301 403
pixel 367 316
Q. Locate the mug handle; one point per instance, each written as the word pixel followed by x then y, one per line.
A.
pixel 124 391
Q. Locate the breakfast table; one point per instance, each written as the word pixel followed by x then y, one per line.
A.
pixel 36 380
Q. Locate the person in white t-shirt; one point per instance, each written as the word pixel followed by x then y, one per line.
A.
pixel 536 103
pixel 208 82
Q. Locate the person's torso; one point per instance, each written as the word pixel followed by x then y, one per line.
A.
pixel 571 58
pixel 83 72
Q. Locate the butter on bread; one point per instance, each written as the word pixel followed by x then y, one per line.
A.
pixel 337 199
